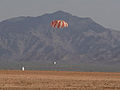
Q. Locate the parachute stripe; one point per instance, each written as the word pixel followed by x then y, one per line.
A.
pixel 59 23
pixel 55 24
pixel 63 24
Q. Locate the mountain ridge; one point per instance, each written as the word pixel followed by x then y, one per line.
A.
pixel 33 39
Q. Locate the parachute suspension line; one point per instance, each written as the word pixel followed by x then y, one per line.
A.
pixel 53 29
pixel 57 24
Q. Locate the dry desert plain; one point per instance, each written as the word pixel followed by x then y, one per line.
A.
pixel 58 80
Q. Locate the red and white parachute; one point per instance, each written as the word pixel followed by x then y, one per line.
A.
pixel 59 24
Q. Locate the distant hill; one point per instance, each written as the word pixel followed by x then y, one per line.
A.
pixel 31 39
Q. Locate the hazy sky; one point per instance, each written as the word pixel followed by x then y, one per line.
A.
pixel 104 12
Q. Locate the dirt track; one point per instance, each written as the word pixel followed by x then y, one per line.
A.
pixel 58 80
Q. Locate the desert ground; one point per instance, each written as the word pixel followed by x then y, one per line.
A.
pixel 58 80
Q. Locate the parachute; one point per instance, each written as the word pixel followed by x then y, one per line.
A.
pixel 59 24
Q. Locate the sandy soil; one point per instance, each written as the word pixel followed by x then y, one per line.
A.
pixel 58 80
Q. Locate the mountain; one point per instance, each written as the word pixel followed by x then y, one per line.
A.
pixel 32 39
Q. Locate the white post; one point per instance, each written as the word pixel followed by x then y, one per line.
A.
pixel 23 68
pixel 55 64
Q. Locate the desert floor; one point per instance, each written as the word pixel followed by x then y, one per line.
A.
pixel 58 80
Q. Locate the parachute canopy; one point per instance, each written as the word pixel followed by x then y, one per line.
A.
pixel 59 24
